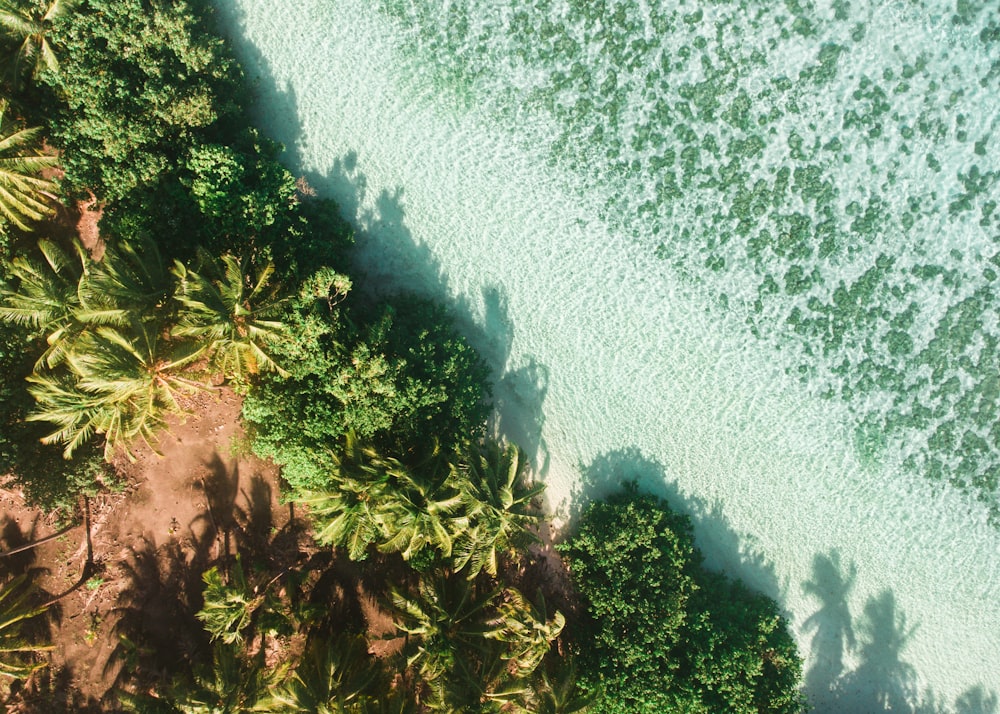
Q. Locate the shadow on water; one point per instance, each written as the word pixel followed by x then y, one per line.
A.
pixel 858 664
pixel 389 258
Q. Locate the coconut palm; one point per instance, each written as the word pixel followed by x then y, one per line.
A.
pixel 346 515
pixel 420 511
pixel 481 684
pixel 234 312
pixel 229 607
pixel 117 384
pixel 45 296
pixel 442 622
pixel 559 693
pixel 344 518
pixel 231 684
pixel 377 500
pixel 131 281
pixel 29 22
pixel 333 676
pixel 498 503
pixel 24 196
pixel 526 629
pixel 15 648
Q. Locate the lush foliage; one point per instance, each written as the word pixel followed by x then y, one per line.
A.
pixel 29 23
pixel 16 649
pixel 389 382
pixel 139 84
pixel 471 507
pixel 122 335
pixel 663 634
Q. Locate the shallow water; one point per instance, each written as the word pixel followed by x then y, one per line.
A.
pixel 744 255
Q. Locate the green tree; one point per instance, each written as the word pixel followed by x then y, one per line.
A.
pixel 234 313
pixel 232 683
pixel 558 692
pixel 526 629
pixel 481 684
pixel 15 647
pixel 443 623
pixel 229 606
pixel 389 382
pixel 664 635
pixel 131 281
pixel 347 515
pixel 421 509
pixel 30 23
pixel 24 196
pixel 499 505
pixel 377 500
pixel 140 82
pixel 44 296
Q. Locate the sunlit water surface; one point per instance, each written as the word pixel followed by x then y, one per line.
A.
pixel 746 253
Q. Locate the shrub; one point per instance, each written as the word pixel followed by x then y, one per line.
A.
pixel 662 633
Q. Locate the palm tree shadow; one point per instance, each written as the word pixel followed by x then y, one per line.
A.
pixel 154 615
pixel 832 623
pixel 977 700
pixel 220 519
pixel 883 681
pixel 14 537
pixel 874 643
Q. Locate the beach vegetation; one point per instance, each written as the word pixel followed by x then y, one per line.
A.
pixel 664 634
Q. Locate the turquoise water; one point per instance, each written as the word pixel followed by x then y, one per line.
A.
pixel 746 253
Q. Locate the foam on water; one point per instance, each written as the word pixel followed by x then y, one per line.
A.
pixel 632 320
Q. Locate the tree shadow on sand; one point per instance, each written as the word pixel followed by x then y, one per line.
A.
pixel 880 680
pixel 832 623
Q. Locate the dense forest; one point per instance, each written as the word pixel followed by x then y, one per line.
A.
pixel 154 250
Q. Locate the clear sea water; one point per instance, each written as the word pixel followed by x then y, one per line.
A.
pixel 745 252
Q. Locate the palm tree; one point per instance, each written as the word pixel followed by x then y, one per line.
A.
pixel 346 516
pixel 526 629
pixel 24 197
pixel 25 21
pixel 15 609
pixel 559 694
pixel 120 385
pixel 442 622
pixel 334 675
pixel 234 313
pixel 482 684
pixel 420 512
pixel 130 282
pixel 498 504
pixel 47 297
pixel 229 607
pixel 378 500
pixel 231 684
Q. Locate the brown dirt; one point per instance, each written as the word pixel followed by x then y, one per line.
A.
pixel 185 509
pixel 88 229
